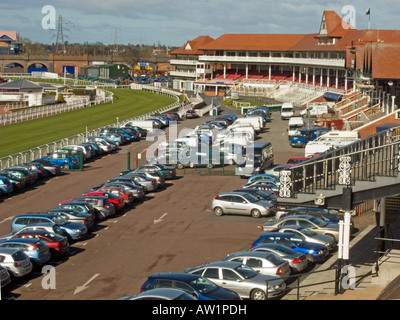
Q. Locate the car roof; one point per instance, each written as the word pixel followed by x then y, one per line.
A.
pixel 4 250
pixel 276 234
pixel 175 276
pixel 258 254
pixel 227 264
pixel 35 215
pixel 298 217
pixel 20 240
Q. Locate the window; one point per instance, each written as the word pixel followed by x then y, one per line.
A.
pixel 211 273
pixel 237 199
pixel 254 263
pixel 184 287
pixel 268 240
pixel 305 224
pixel 22 221
pixel 285 242
pixel 229 275
pixel 162 283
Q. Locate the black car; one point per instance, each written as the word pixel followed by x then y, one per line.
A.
pixel 191 114
pixel 51 168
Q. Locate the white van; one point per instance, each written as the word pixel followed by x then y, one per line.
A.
pixel 315 110
pixel 287 110
pixel 295 124
pixel 256 122
pixel 144 124
pixel 330 140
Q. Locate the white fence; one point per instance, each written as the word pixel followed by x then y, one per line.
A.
pixel 40 151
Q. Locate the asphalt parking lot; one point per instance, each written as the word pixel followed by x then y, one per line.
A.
pixel 171 230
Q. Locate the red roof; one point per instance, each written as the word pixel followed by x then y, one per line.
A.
pixel 192 47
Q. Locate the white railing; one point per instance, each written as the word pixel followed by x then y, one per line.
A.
pixel 340 63
pixel 40 151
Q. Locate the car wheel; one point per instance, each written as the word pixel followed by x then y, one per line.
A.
pixel 255 213
pixel 191 165
pixel 258 294
pixel 218 211
pixel 179 166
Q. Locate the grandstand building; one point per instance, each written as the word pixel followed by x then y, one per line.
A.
pixel 339 58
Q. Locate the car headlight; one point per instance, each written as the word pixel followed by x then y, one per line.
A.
pixel 312 252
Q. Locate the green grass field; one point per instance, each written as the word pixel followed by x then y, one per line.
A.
pixel 30 134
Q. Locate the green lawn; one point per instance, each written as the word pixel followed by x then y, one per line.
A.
pixel 30 134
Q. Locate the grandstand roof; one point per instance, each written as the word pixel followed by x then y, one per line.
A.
pixel 385 61
pixel 192 47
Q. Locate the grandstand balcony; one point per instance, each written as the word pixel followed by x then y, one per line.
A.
pixel 184 74
pixel 183 62
pixel 328 63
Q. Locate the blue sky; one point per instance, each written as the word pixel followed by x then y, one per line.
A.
pixel 173 23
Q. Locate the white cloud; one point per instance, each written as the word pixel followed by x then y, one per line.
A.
pixel 175 22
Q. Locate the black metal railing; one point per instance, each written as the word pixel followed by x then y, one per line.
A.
pixel 364 160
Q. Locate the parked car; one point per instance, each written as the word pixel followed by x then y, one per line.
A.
pixel 116 200
pixel 73 231
pixel 298 261
pixel 32 169
pixel 161 294
pixel 120 192
pixel 57 244
pixel 263 262
pixel 17 183
pixel 277 169
pixel 36 250
pixel 6 186
pixel 5 277
pixel 15 261
pixel 21 173
pixel 168 172
pixel 260 194
pixel 149 185
pixel 199 287
pixel 242 204
pixel 311 236
pixel 315 224
pixel 51 168
pixel 191 114
pixel 104 207
pixel 39 168
pixel 242 279
pixel 83 207
pixel 268 184
pixel 314 251
pixel 264 177
pixel 327 215
pixel 86 219
pixel 158 177
pixel 136 191
pixel 64 160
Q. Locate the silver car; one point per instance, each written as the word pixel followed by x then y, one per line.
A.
pixel 149 185
pixel 15 261
pixel 242 279
pixel 315 224
pixel 263 262
pixel 5 277
pixel 298 261
pixel 242 204
pixel 310 236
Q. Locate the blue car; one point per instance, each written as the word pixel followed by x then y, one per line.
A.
pixel 315 252
pixel 263 177
pixel 73 231
pixel 201 288
pixel 37 251
pixel 6 185
pixel 64 160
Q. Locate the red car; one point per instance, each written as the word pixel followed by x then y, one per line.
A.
pixel 57 244
pixel 294 161
pixel 117 200
pixel 128 197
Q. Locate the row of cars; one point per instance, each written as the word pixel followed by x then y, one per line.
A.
pixel 39 237
pixel 292 242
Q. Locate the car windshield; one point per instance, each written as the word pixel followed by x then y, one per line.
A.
pixel 203 285
pixel 307 232
pixel 285 250
pixel 250 197
pixel 318 222
pixel 246 271
pixel 275 260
